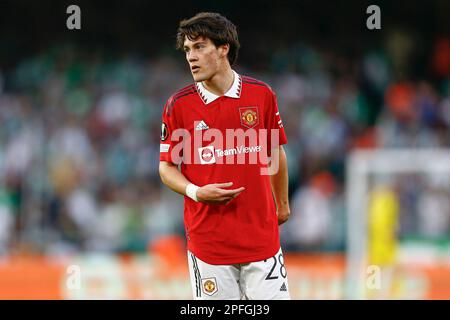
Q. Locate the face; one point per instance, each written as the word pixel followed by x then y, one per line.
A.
pixel 204 58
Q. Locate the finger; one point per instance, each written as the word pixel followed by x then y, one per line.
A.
pixel 231 192
pixel 236 194
pixel 224 199
pixel 223 185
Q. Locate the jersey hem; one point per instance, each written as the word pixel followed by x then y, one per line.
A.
pixel 238 260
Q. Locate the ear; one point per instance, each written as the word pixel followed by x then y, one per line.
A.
pixel 224 49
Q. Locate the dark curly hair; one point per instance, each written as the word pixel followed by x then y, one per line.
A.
pixel 213 26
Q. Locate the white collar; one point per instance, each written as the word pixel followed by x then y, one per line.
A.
pixel 233 92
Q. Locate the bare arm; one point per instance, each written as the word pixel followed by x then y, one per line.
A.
pixel 172 177
pixel 279 182
pixel 211 193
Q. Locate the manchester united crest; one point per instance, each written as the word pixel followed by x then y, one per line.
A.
pixel 209 286
pixel 249 116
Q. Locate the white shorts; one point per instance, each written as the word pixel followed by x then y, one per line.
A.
pixel 260 280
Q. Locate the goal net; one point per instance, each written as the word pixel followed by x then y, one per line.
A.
pixel 398 211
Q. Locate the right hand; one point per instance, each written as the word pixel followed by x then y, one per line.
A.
pixel 216 194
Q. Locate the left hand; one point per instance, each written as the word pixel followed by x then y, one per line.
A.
pixel 283 216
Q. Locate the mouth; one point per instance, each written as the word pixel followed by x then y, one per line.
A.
pixel 195 69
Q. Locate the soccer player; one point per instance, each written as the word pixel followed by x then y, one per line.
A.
pixel 217 130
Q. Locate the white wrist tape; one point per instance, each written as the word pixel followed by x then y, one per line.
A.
pixel 191 191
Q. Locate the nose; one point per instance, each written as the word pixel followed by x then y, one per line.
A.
pixel 191 57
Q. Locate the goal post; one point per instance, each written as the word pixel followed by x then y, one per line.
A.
pixel 361 166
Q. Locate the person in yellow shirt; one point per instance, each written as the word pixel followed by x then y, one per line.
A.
pixel 383 223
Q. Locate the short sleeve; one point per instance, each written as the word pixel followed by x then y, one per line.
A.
pixel 168 126
pixel 274 122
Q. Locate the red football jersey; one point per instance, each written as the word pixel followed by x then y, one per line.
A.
pixel 219 139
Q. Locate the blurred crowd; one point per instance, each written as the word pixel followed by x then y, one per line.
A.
pixel 79 139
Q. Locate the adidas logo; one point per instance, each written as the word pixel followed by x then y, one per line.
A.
pixel 283 287
pixel 201 126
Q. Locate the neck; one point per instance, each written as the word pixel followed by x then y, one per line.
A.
pixel 220 83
